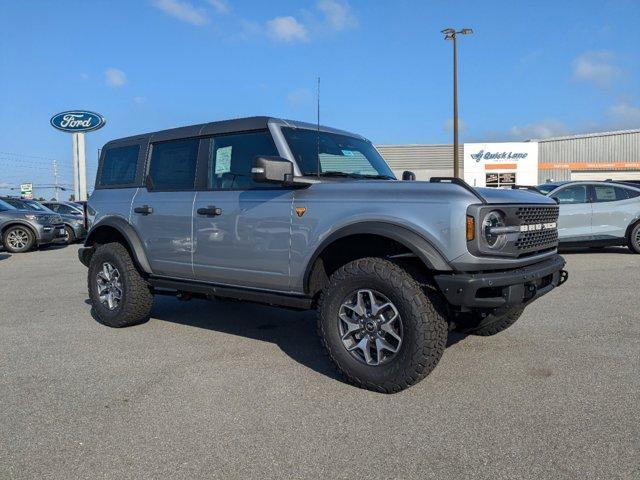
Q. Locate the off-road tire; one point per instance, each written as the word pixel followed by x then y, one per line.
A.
pixel 71 236
pixel 491 324
pixel 31 239
pixel 137 299
pixel 634 246
pixel 424 324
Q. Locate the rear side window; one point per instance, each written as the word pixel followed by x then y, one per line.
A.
pixel 173 164
pixel 119 166
pixel 626 193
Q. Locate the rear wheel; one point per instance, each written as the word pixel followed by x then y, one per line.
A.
pixel 634 238
pixel 379 327
pixel 18 239
pixel 118 293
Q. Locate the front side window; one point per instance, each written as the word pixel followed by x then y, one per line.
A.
pixel 119 166
pixel 338 155
pixel 173 164
pixel 231 158
pixel 572 195
pixel 66 209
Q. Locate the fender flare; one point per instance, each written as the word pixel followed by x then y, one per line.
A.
pixel 132 238
pixel 422 248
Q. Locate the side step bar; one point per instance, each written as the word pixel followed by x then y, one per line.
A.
pixel 211 290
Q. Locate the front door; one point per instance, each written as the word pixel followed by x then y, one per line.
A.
pixel 574 222
pixel 162 211
pixel 241 228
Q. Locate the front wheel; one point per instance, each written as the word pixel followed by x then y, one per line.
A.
pixel 634 239
pixel 379 327
pixel 69 234
pixel 118 293
pixel 18 239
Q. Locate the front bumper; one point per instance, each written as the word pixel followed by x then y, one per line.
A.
pixel 51 234
pixel 505 288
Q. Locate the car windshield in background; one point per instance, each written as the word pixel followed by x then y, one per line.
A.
pixel 339 155
pixel 4 206
pixel 547 187
pixel 37 206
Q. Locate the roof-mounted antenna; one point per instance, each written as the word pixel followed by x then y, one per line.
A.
pixel 318 131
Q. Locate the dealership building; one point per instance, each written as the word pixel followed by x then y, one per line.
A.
pixel 591 156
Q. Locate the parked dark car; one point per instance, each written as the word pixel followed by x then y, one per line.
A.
pixel 23 229
pixel 73 216
pixel 74 224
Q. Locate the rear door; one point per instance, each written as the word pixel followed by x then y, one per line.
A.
pixel 162 210
pixel 241 228
pixel 574 222
pixel 614 208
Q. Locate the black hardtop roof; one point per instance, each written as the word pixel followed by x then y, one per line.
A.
pixel 220 127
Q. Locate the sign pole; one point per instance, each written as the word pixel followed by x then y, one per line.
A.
pixel 82 169
pixel 76 183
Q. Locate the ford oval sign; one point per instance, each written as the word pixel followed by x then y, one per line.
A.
pixel 77 121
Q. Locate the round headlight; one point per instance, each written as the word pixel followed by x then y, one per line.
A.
pixel 491 220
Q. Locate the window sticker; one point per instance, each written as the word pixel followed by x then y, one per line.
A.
pixel 348 153
pixel 223 160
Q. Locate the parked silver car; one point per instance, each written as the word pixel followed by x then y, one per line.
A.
pixel 597 214
pixel 21 230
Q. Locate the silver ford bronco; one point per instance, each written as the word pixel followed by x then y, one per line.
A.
pixel 290 214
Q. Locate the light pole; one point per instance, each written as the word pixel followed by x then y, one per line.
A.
pixel 451 34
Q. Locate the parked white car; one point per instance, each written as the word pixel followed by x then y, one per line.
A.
pixel 597 214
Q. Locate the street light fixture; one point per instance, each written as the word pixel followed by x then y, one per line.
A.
pixel 451 34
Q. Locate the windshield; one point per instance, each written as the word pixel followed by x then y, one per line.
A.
pixel 547 187
pixel 4 206
pixel 340 155
pixel 16 203
pixel 37 206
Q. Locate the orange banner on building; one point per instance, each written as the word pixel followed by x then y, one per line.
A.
pixel 589 166
pixel 501 166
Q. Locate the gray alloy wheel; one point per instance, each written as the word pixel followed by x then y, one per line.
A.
pixel 634 239
pixel 370 327
pixel 18 239
pixel 109 286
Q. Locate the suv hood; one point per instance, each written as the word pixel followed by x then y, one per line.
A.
pixel 504 195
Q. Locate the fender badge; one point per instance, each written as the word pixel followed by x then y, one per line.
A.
pixel 300 211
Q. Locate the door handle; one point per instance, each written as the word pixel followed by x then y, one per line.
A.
pixel 210 211
pixel 144 210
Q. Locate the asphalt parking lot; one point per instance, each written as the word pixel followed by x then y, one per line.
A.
pixel 232 390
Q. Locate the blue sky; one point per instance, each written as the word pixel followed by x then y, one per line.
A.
pixel 531 69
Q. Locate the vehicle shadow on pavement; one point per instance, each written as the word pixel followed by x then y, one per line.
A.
pixel 4 256
pixel 292 331
pixel 619 250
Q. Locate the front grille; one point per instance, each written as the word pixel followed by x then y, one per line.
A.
pixel 540 238
pixel 537 214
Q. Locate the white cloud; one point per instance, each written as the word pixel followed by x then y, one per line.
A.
pixel 337 14
pixel 138 100
pixel 220 6
pixel 182 11
pixel 543 129
pixel 287 29
pixel 596 67
pixel 448 125
pixel 115 77
pixel 625 115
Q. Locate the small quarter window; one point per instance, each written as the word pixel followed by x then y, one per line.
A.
pixel 119 166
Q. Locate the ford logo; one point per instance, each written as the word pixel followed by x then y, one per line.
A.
pixel 77 121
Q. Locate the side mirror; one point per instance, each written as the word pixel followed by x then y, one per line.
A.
pixel 556 199
pixel 272 169
pixel 408 176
